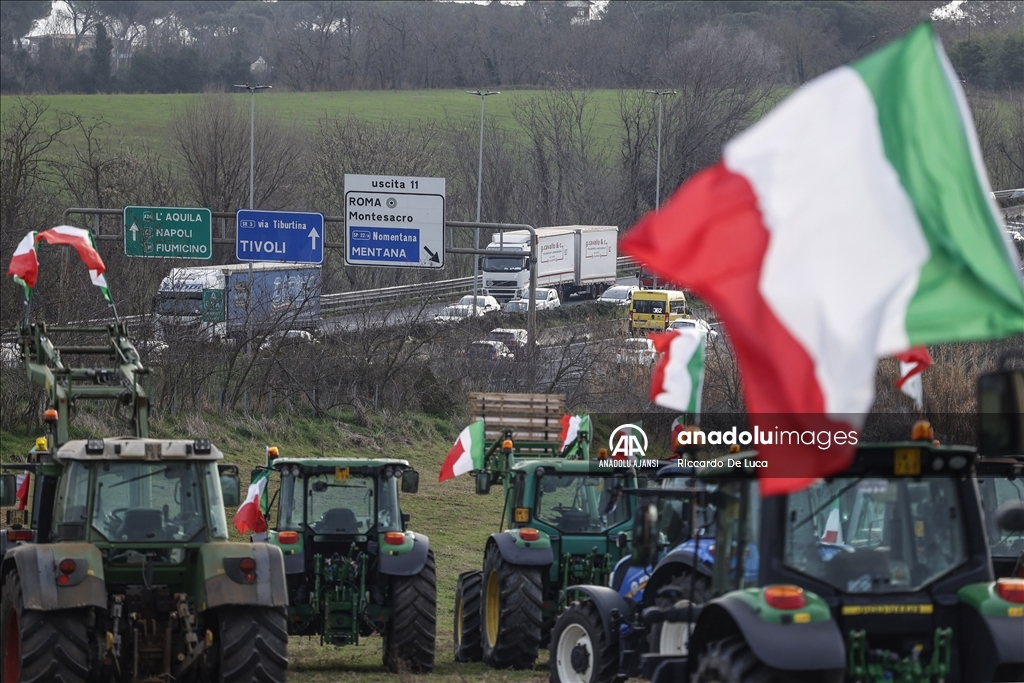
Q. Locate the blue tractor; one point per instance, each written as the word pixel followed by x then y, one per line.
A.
pixel 601 636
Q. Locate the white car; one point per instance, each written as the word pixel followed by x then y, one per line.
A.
pixel 484 303
pixel 457 312
pixel 683 323
pixel 287 338
pixel 514 339
pixel 546 298
pixel 517 306
pixel 620 295
pixel 489 350
pixel 636 350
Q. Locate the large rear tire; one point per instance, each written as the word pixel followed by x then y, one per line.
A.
pixel 466 630
pixel 253 645
pixel 41 647
pixel 410 637
pixel 511 613
pixel 579 649
pixel 669 637
pixel 730 660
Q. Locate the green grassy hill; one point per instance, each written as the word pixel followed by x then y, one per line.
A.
pixel 146 117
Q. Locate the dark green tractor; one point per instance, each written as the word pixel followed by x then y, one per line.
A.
pixel 567 524
pixel 353 567
pixel 880 573
pixel 122 570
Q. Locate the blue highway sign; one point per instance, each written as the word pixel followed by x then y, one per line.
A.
pixel 289 236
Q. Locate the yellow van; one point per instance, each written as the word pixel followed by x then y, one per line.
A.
pixel 652 310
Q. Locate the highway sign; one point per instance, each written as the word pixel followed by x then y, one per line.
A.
pixel 395 221
pixel 279 236
pixel 168 232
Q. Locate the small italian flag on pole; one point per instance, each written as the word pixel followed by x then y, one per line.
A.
pixel 252 514
pixel 25 263
pixel 467 454
pixel 572 425
pixel 678 379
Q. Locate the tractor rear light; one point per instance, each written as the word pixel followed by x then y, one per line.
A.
pixel 50 415
pixel 394 538
pixel 67 567
pixel 1011 590
pixel 288 537
pixel 785 597
pixel 247 565
pixel 63 580
pixel 529 534
pixel 19 535
pixel 250 578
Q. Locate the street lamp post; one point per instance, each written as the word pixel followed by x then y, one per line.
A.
pixel 479 183
pixel 252 129
pixel 660 94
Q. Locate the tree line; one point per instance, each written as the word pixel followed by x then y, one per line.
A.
pixel 189 46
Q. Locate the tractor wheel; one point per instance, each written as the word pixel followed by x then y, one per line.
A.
pixel 671 638
pixel 579 649
pixel 466 631
pixel 731 661
pixel 409 638
pixel 253 645
pixel 41 647
pixel 511 613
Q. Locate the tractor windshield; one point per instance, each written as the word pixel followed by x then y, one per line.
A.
pixel 351 505
pixel 582 503
pixel 141 502
pixel 875 535
pixel 682 518
pixel 995 492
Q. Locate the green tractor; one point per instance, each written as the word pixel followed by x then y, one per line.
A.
pixel 568 518
pixel 879 573
pixel 352 565
pixel 122 569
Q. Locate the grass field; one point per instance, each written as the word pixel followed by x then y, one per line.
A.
pixel 147 117
pixel 457 521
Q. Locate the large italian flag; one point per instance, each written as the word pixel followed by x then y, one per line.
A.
pixel 852 222
pixel 467 454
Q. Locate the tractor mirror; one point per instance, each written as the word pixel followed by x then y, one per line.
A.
pixel 410 481
pixel 229 487
pixel 8 490
pixel 645 536
pixel 621 541
pixel 1010 516
pixel 1001 413
pixel 483 483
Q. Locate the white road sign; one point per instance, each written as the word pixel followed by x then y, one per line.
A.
pixel 395 221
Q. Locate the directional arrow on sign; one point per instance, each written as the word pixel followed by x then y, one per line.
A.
pixel 135 232
pixel 432 255
pixel 313 235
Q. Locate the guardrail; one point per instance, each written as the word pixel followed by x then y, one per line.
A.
pixel 348 302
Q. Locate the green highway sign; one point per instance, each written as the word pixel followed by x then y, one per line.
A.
pixel 168 232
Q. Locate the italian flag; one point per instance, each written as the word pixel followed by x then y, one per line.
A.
pixel 251 515
pixel 467 454
pixel 853 222
pixel 23 482
pixel 25 264
pixel 678 379
pixel 833 530
pixel 572 425
pixel 912 364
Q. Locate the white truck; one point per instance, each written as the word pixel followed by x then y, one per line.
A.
pixel 211 303
pixel 573 259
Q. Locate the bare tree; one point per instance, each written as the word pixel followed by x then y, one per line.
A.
pixel 211 136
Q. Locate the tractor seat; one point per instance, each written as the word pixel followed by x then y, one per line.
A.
pixel 338 521
pixel 144 524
